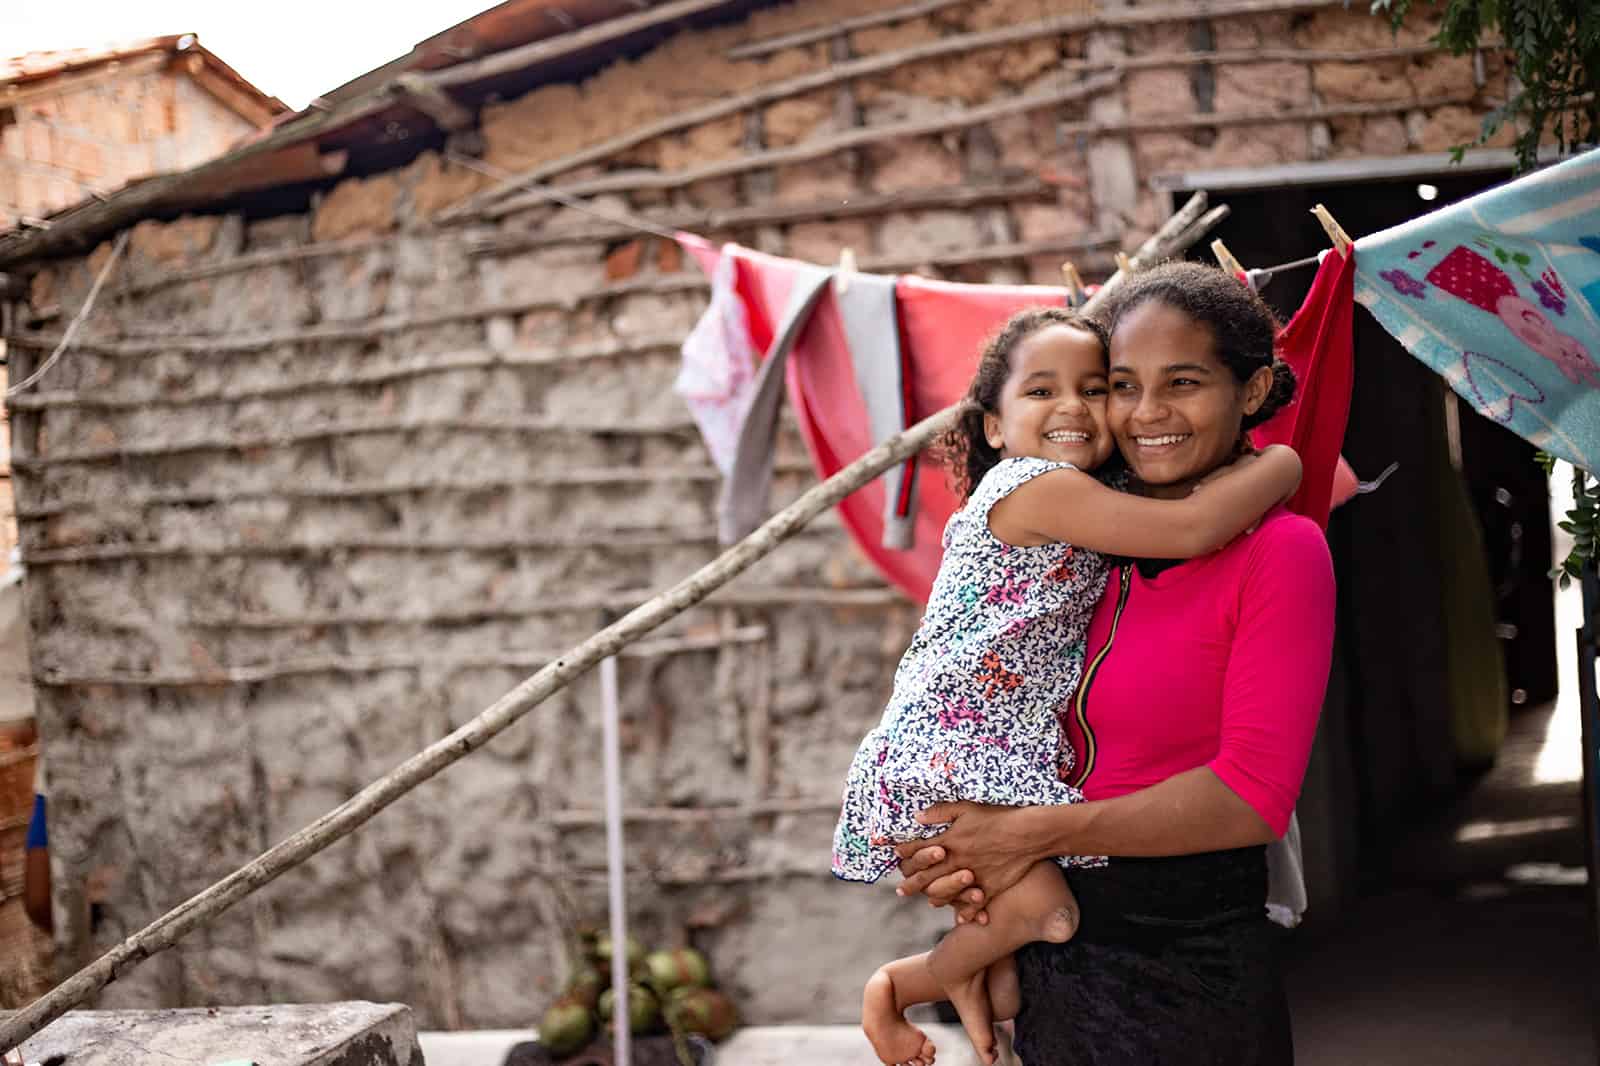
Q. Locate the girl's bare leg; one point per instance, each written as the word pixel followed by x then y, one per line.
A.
pixel 895 987
pixel 906 982
pixel 1005 991
pixel 1039 907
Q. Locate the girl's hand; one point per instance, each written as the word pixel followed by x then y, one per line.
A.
pixel 984 852
pixel 925 870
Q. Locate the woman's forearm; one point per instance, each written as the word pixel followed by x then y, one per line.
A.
pixel 1187 813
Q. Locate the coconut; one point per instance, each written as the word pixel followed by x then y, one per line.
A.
pixel 602 953
pixel 585 986
pixel 702 1010
pixel 588 940
pixel 644 1010
pixel 566 1027
pixel 679 968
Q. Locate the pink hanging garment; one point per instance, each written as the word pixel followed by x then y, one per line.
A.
pixel 943 326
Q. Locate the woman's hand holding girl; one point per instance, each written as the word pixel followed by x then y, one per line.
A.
pixel 984 851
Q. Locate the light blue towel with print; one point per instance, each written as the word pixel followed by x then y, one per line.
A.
pixel 1500 294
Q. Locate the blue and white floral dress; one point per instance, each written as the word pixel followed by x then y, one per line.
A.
pixel 973 714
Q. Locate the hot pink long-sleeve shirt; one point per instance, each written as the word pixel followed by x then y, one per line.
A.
pixel 1221 661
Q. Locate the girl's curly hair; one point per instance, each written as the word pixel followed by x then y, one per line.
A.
pixel 965 447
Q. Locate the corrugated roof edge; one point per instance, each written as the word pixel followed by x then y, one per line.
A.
pixel 288 152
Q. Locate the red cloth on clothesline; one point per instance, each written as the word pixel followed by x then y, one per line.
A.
pixel 943 326
pixel 1318 344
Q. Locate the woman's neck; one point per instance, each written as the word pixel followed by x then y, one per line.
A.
pixel 1175 491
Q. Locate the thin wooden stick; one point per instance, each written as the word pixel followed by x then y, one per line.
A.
pixel 223 344
pixel 1187 12
pixel 256 673
pixel 583 817
pixel 598 34
pixel 800 38
pixel 365 427
pixel 356 811
pixel 744 218
pixel 418 366
pixel 634 181
pixel 573 478
pixel 218 343
pixel 816 148
pixel 78 319
pixel 611 540
pixel 700 221
pixel 1229 119
pixel 136 286
pixel 875 597
pixel 847 72
pixel 1208 222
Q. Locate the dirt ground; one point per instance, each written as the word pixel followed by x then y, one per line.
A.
pixel 1473 952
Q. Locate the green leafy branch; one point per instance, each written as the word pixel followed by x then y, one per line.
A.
pixel 1554 46
pixel 1582 522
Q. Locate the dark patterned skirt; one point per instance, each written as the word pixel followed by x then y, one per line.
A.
pixel 1175 964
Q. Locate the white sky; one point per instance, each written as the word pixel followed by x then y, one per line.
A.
pixel 292 49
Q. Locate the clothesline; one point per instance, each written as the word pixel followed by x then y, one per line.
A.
pixel 1260 276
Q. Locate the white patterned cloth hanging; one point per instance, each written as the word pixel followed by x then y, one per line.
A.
pixel 718 375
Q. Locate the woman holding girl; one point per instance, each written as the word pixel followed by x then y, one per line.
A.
pixel 1002 644
pixel 1192 726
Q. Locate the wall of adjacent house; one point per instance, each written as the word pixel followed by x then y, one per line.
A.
pixel 315 489
pixel 75 135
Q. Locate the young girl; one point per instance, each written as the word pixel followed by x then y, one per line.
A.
pixel 973 713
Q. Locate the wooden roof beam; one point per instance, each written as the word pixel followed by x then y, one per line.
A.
pixel 422 93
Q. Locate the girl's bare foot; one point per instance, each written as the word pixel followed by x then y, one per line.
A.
pixel 897 1041
pixel 970 998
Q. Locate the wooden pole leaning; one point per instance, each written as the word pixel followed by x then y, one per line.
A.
pixel 356 811
pixel 1178 233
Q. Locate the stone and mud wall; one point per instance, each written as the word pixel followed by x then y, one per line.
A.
pixel 314 489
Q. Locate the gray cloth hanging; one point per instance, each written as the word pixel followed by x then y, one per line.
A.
pixel 872 331
pixel 746 492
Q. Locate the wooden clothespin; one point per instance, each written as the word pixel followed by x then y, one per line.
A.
pixel 1228 262
pixel 1124 264
pixel 1341 240
pixel 847 267
pixel 1075 291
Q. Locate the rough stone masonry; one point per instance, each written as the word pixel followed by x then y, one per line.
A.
pixel 315 488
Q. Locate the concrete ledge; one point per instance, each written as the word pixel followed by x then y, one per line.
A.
pixel 312 1034
pixel 469 1047
pixel 836 1045
pixel 762 1045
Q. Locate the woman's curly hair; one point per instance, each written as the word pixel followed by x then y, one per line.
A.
pixel 965 447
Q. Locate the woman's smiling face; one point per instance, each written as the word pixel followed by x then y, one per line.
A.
pixel 1175 409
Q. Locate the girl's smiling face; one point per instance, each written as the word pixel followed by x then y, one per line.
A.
pixel 1053 404
pixel 1175 408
